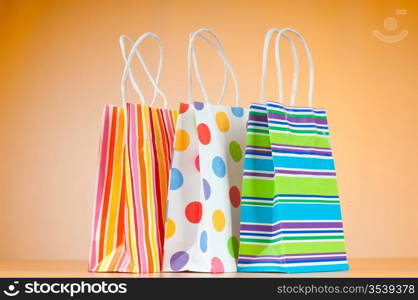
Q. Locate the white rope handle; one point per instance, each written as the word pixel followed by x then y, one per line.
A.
pixel 310 61
pixel 278 66
pixel 222 55
pixel 135 86
pixel 132 79
pixel 127 70
pixel 196 67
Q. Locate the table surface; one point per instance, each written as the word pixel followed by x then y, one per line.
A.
pixel 359 267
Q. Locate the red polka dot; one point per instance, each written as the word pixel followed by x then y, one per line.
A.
pixel 194 212
pixel 203 133
pixel 235 196
pixel 197 163
pixel 183 107
pixel 216 265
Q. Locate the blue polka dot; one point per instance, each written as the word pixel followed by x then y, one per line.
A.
pixel 218 166
pixel 198 105
pixel 237 111
pixel 176 179
pixel 204 241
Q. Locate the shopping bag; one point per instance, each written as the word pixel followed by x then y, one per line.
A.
pixel 202 224
pixel 115 237
pixel 290 212
pixel 149 145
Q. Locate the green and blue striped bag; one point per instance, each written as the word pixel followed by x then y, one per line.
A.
pixel 290 210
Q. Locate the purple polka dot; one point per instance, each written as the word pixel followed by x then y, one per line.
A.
pixel 206 189
pixel 198 105
pixel 178 260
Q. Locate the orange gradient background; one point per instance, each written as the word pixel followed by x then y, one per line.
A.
pixel 60 64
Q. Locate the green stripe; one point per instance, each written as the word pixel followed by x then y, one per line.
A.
pixel 258 140
pixel 256 113
pixel 306 186
pixel 285 129
pixel 292 248
pixel 258 188
pixel 257 130
pixel 299 140
pixel 293 238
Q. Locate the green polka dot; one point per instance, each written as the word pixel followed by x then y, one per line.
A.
pixel 235 151
pixel 233 247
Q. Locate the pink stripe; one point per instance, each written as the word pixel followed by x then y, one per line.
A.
pixel 133 131
pixel 100 182
pixel 169 126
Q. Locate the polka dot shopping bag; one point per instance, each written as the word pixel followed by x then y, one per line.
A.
pixel 290 212
pixel 204 196
pixel 135 155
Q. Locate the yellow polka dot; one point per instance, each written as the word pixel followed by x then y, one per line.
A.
pixel 182 140
pixel 222 121
pixel 218 220
pixel 170 228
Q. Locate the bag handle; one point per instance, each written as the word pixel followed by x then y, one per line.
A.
pixel 267 39
pixel 221 53
pixel 196 67
pixel 132 79
pixel 128 73
pixel 310 61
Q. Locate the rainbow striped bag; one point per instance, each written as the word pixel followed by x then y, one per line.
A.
pixel 135 154
pixel 290 210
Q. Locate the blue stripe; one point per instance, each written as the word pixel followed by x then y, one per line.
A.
pixel 258 106
pixel 285 211
pixel 289 231
pixel 256 153
pixel 305 269
pixel 307 153
pixel 303 163
pixel 258 164
pixel 258 124
pixel 295 109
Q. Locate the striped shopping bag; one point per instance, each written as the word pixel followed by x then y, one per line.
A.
pixel 135 154
pixel 290 210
